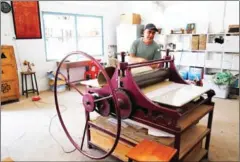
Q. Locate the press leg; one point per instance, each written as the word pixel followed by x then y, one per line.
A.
pixel 130 160
pixel 177 145
pixel 210 117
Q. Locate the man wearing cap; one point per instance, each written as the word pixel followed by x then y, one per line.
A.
pixel 145 49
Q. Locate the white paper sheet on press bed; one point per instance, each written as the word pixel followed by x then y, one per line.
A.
pixel 176 94
pixel 164 90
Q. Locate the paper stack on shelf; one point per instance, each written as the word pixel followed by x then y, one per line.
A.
pixel 61 82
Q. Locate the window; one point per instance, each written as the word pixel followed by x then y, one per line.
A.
pixel 65 33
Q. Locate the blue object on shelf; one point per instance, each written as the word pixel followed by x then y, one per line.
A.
pixel 235 84
pixel 193 75
pixel 184 74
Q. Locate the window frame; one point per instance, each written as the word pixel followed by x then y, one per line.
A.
pixel 75 19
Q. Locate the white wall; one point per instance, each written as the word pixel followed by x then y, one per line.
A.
pixel 149 11
pixel 177 14
pixel 201 12
pixel 206 14
pixel 34 49
pixel 232 13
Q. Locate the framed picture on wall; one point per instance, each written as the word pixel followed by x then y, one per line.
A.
pixel 191 28
pixel 26 19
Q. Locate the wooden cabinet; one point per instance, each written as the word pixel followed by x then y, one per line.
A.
pixel 9 75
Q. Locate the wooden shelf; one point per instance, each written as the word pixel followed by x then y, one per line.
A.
pixel 212 67
pixel 197 156
pixel 105 142
pixel 191 137
pixel 194 116
pixel 216 33
pixel 136 135
pixel 151 151
pixel 191 65
pixel 232 53
pixel 190 34
pixel 129 133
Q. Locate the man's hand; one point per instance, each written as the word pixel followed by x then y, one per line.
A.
pixel 154 66
pixel 160 65
pixel 139 59
pixel 134 59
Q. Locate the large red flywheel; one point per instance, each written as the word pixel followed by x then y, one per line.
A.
pixel 91 102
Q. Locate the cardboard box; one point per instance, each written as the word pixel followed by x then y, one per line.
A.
pixel 202 42
pixel 130 18
pixel 195 40
pixel 233 29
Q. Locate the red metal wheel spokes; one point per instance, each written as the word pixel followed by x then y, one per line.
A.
pixel 88 102
pixel 68 81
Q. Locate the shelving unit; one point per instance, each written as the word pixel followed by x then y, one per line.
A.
pixel 207 65
pixel 214 58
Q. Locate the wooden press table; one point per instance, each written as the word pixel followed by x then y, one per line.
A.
pixel 191 135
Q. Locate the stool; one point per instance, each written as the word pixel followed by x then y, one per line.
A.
pixel 151 151
pixel 24 76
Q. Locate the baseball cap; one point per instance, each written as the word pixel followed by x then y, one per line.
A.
pixel 151 27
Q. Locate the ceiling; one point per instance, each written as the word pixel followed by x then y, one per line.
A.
pixel 92 3
pixel 164 4
pixel 171 3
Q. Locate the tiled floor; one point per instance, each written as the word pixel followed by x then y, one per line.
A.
pixel 25 129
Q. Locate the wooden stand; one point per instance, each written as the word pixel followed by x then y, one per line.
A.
pixel 24 79
pixel 188 141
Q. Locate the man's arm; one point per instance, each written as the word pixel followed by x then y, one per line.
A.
pixel 132 57
pixel 156 56
pixel 135 59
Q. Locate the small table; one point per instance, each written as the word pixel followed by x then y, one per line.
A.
pixel 151 151
pixel 68 65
